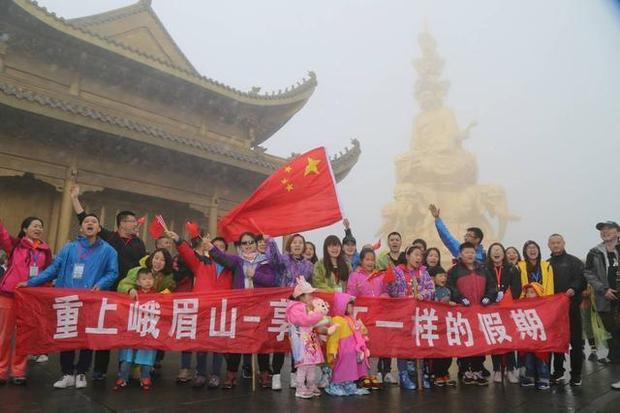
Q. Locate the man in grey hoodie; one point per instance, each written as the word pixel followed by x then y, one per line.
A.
pixel 602 273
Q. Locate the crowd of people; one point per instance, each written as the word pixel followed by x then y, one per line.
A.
pixel 100 259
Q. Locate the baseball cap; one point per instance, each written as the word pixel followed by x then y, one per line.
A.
pixel 604 224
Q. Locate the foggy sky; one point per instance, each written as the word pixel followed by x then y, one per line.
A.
pixel 540 78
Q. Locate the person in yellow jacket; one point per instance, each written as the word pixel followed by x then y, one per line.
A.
pixel 534 269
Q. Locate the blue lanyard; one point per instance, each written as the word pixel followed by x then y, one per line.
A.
pixel 34 258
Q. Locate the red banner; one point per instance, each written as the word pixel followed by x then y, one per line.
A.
pixel 254 321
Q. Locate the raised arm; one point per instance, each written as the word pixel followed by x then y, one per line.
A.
pixel 451 243
pixel 347 228
pixel 188 255
pixel 275 258
pixel 74 193
pixel 7 242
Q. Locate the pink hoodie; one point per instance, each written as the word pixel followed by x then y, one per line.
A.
pixel 305 344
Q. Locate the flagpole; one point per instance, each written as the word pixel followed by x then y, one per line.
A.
pixel 253 372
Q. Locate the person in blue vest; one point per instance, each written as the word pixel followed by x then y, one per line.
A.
pixel 474 235
pixel 89 263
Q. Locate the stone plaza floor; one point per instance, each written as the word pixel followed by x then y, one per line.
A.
pixel 166 396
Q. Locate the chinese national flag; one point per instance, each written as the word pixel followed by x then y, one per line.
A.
pixel 299 196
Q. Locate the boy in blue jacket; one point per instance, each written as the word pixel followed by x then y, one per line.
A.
pixel 89 263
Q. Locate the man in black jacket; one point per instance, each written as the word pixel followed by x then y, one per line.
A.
pixel 568 278
pixel 130 250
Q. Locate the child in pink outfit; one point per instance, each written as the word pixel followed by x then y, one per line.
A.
pixel 305 344
pixel 365 281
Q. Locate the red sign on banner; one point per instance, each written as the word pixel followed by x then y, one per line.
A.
pixel 254 321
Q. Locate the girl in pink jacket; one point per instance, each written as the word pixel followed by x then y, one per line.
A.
pixel 305 344
pixel 365 281
pixel 27 256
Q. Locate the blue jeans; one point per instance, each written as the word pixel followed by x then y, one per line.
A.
pixel 536 368
pixel 201 364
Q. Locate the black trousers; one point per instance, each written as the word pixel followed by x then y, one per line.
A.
pixel 102 360
pixel 441 367
pixel 384 366
pixel 276 365
pixel 67 362
pixel 508 358
pixel 576 345
pixel 474 364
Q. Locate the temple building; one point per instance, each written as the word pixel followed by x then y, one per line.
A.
pixel 111 102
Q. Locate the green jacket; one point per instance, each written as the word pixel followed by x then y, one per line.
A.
pixel 321 281
pixel 161 283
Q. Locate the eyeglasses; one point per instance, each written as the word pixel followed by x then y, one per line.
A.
pixel 248 242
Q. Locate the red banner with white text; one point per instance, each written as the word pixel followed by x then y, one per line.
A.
pixel 254 321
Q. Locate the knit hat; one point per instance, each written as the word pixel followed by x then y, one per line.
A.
pixel 536 286
pixel 302 287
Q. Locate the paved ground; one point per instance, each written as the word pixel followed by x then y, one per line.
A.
pixel 166 396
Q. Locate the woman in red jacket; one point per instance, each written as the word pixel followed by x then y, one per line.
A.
pixel 208 276
pixel 28 255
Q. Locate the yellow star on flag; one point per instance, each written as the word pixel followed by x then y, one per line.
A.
pixel 288 169
pixel 289 187
pixel 284 181
pixel 312 167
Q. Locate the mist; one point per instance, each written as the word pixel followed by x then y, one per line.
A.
pixel 540 78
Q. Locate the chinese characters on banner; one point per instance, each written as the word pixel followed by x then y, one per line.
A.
pixel 254 321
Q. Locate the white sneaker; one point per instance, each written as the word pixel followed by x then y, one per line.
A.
pixel 616 385
pixel 379 377
pixel 512 376
pixel 65 382
pixel 389 379
pixel 80 381
pixel 293 381
pixel 497 376
pixel 276 382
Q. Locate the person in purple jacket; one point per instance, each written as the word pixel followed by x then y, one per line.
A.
pixel 244 267
pixel 281 270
